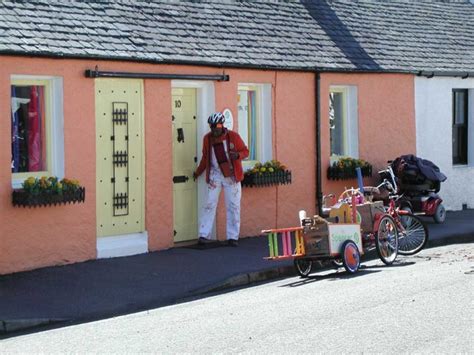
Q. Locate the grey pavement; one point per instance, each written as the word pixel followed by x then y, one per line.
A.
pixel 63 295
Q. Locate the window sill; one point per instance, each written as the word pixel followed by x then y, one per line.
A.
pixel 462 166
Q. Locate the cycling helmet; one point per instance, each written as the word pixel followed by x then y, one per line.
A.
pixel 216 118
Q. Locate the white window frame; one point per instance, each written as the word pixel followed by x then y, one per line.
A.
pixel 54 125
pixel 264 122
pixel 351 121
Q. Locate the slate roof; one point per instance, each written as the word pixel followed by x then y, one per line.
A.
pixel 340 35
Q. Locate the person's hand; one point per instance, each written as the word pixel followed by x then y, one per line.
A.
pixel 234 155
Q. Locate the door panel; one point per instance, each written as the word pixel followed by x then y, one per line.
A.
pixel 119 156
pixel 184 163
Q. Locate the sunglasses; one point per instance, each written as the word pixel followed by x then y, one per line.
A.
pixel 217 125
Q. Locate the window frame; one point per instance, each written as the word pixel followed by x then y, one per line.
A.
pixel 350 130
pixel 54 125
pixel 464 125
pixel 264 122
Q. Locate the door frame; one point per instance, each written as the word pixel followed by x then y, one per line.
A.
pixel 205 105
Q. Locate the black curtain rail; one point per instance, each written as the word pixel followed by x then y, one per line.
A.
pixel 111 74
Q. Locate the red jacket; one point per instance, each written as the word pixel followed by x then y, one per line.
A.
pixel 232 138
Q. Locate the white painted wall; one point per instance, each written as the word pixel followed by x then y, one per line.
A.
pixel 433 108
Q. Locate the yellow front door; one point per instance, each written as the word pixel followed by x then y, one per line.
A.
pixel 119 156
pixel 184 163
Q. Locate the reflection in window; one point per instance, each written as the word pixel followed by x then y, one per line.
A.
pixel 343 122
pixel 28 128
pixel 336 123
pixel 248 117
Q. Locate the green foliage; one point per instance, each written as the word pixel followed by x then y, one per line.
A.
pixel 351 163
pixel 269 167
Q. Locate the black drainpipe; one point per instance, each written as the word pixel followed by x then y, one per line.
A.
pixel 319 193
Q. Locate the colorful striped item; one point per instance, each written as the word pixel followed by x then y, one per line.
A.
pixel 285 235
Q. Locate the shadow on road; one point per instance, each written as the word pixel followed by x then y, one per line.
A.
pixel 333 276
pixel 397 263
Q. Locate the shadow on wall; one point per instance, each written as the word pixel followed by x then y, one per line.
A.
pixel 338 32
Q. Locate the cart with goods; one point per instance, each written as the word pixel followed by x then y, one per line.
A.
pixel 352 228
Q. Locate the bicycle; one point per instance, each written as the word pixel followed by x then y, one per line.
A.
pixel 413 233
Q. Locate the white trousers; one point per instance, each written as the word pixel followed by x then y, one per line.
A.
pixel 233 193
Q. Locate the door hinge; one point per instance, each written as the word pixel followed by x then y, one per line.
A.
pixel 174 232
pixel 195 159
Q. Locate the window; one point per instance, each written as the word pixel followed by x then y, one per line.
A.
pixel 36 128
pixel 343 122
pixel 460 123
pixel 254 120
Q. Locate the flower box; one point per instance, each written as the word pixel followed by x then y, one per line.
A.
pixel 347 172
pixel 22 198
pixel 267 179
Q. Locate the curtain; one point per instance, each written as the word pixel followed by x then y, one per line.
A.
pixel 15 133
pixel 34 130
pixel 27 130
pixel 252 119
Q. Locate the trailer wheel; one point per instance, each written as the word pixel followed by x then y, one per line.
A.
pixel 303 266
pixel 350 256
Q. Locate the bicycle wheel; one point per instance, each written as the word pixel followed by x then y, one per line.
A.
pixel 413 236
pixel 386 240
pixel 303 266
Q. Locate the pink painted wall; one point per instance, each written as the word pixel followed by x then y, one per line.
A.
pixel 386 113
pixel 32 238
pixel 293 107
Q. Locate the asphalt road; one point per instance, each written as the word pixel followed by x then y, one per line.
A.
pixel 424 304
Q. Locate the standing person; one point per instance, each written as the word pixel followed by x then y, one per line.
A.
pixel 222 154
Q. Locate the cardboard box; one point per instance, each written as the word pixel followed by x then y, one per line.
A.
pixel 367 213
pixel 316 240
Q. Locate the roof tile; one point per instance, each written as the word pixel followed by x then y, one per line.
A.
pixel 340 34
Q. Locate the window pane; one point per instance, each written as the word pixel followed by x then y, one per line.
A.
pixel 460 106
pixel 28 129
pixel 248 120
pixel 336 123
pixel 460 127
